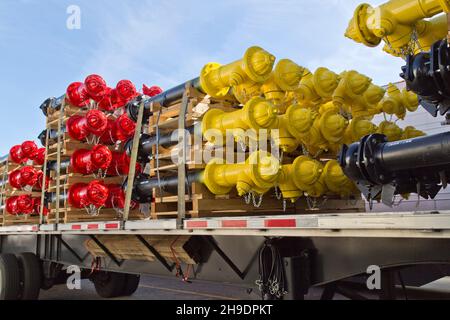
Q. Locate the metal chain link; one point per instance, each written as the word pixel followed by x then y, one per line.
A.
pixel 247 198
pixel 279 194
pixel 409 49
pixel 260 200
pixel 92 210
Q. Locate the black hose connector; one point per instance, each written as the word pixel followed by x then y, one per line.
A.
pixel 147 142
pixel 51 103
pixel 428 75
pixel 143 185
pixel 420 165
pixel 164 99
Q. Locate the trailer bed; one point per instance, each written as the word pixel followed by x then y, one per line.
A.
pixel 423 224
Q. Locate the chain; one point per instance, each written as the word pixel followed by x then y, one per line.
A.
pixel 313 204
pixel 100 174
pixel 413 44
pixel 318 153
pixel 278 195
pixel 305 151
pixel 118 211
pixel 247 198
pixel 92 210
pixel 260 200
pixel 394 204
pixel 284 205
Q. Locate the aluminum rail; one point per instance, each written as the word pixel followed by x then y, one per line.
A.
pixel 427 224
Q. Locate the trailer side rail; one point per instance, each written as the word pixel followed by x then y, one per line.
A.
pixel 407 224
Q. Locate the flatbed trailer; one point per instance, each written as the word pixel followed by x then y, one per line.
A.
pixel 334 247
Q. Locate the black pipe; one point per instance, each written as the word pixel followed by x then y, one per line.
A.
pixel 428 75
pixel 4 159
pixel 52 136
pixel 50 198
pixel 164 99
pixel 143 185
pixel 52 103
pixel 52 165
pixel 420 164
pixel 147 142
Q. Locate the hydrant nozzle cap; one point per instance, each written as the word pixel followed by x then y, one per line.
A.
pixel 258 63
pixel 357 29
pixel 288 74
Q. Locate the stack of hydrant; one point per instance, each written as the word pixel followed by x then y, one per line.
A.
pixel 307 116
pixel 302 118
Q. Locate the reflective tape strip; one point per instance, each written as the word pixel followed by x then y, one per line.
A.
pixel 26 228
pixel 89 226
pixel 254 223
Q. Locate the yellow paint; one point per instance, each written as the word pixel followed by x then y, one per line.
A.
pixel 285 78
pixel 256 66
pixel 410 132
pixel 257 114
pixel 258 174
pixel 397 102
pixel 392 131
pixel 351 85
pixel 358 128
pixel 395 21
pixel 367 103
pixel 316 88
pixel 336 181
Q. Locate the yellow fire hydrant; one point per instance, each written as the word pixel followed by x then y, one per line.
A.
pixel 258 175
pixel 258 113
pixel 336 181
pixel 392 131
pixel 397 102
pixel 256 66
pixel 293 127
pixel 367 103
pixel 284 79
pixel 395 22
pixel 359 127
pixel 316 88
pixel 351 85
pixel 410 133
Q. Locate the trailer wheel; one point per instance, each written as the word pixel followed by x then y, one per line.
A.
pixel 9 277
pixel 109 284
pixel 31 275
pixel 131 285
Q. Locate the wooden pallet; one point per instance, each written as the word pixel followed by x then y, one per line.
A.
pixel 9 220
pixel 7 191
pixel 125 247
pixel 66 214
pixel 56 116
pixel 63 213
pixel 202 203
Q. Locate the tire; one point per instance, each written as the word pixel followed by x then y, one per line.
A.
pixel 109 284
pixel 31 275
pixel 9 277
pixel 131 285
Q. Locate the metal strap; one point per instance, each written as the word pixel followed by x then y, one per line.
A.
pixel 133 161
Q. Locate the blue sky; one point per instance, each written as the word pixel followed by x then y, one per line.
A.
pixel 163 43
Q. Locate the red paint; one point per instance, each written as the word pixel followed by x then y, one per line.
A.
pixel 197 224
pixel 280 223
pixel 234 224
